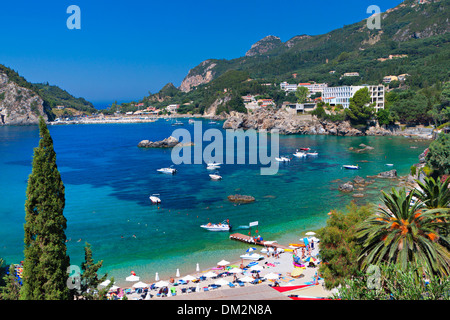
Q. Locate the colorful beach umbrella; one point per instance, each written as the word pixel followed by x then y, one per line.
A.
pixel 250 249
pixel 311 259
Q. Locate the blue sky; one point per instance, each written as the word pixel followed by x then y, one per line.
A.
pixel 125 49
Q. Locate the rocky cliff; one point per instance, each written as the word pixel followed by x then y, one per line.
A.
pixel 288 123
pixel 262 46
pixel 203 73
pixel 18 105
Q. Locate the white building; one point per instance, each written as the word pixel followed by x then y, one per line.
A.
pixel 342 95
pixel 172 108
pixel 313 88
pixel 288 87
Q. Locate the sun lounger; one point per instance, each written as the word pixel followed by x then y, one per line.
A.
pixel 205 289
pixel 231 285
pixel 183 290
pixel 241 284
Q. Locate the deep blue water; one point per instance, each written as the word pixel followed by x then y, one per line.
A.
pixel 108 180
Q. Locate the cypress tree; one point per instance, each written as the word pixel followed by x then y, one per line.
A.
pixel 45 259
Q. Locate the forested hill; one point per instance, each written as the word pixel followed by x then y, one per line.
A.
pixel 51 95
pixel 419 31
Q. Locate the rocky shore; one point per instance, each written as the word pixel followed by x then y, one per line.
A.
pixel 169 142
pixel 287 123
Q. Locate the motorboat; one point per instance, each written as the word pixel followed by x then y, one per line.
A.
pixel 389 164
pixel 351 167
pixel 212 122
pixel 305 149
pixel 282 159
pixel 154 199
pixel 300 154
pixel 212 167
pixel 252 256
pixel 312 153
pixel 214 163
pixel 167 170
pixel 215 177
pixel 223 226
pixel 178 123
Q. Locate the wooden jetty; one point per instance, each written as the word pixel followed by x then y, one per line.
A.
pixel 251 240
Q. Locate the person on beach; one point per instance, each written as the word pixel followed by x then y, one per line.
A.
pixel 312 244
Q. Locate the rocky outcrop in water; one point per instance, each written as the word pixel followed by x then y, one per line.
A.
pixel 241 198
pixel 18 105
pixel 169 142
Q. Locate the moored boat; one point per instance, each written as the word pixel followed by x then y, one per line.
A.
pixel 223 226
pixel 154 199
pixel 167 170
pixel 215 177
pixel 351 167
pixel 282 159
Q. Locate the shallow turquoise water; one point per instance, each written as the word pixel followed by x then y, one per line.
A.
pixel 108 181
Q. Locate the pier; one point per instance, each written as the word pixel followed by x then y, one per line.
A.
pixel 248 239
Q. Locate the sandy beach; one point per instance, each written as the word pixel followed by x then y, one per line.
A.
pixel 281 264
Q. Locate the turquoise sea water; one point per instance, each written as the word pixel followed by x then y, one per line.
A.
pixel 108 180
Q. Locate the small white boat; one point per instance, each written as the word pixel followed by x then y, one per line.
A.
pixel 223 226
pixel 300 154
pixel 178 123
pixel 252 256
pixel 312 153
pixel 351 167
pixel 282 159
pixel 389 164
pixel 215 176
pixel 167 170
pixel 212 167
pixel 154 199
pixel 214 163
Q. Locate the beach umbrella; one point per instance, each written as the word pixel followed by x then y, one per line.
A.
pixel 310 233
pixel 235 270
pixel 223 263
pixel 296 272
pixel 114 288
pixel 272 276
pixel 156 277
pixel 250 249
pixel 197 268
pixel 132 278
pixel 105 283
pixel 210 274
pixel 247 279
pixel 189 278
pixel 256 267
pixel 140 284
pixel 221 282
pixel 178 273
pixel 311 259
pixel 280 250
pixel 161 283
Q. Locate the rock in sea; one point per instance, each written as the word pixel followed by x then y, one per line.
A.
pixel 241 198
pixel 169 142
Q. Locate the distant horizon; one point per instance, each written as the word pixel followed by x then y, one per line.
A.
pixel 121 53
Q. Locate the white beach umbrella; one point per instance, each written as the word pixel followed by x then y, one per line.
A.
pixel 132 278
pixel 210 274
pixel 197 268
pixel 221 282
pixel 310 233
pixel 178 273
pixel 140 284
pixel 114 288
pixel 247 279
pixel 156 277
pixel 223 263
pixel 189 278
pixel 256 267
pixel 272 276
pixel 105 283
pixel 161 283
pixel 280 250
pixel 235 270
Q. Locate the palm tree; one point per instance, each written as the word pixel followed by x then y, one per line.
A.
pixel 434 193
pixel 404 232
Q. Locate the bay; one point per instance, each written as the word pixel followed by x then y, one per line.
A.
pixel 108 180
